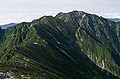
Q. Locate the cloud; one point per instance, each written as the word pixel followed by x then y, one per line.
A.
pixel 111 15
pixel 27 10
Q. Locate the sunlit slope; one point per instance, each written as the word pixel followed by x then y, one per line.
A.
pixel 63 47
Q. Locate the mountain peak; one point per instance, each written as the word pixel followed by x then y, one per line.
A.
pixel 68 46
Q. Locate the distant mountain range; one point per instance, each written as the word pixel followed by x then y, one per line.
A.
pixel 8 25
pixel 114 19
pixel 14 24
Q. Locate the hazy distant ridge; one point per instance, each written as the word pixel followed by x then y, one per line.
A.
pixel 114 19
pixel 8 25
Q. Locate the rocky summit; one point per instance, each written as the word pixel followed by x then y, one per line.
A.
pixel 74 45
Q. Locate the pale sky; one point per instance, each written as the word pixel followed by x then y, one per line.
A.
pixel 27 10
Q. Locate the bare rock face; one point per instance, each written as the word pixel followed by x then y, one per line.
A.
pixel 7 75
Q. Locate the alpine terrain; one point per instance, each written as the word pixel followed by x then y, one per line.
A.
pixel 74 45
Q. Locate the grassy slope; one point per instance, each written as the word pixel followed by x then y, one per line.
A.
pixel 97 38
pixel 48 48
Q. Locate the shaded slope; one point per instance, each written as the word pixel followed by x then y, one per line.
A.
pixel 48 48
pixel 97 38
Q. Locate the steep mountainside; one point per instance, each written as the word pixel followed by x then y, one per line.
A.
pixel 97 37
pixel 73 45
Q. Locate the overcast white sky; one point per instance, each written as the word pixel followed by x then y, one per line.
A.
pixel 27 10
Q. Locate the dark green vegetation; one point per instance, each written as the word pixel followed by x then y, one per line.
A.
pixel 73 45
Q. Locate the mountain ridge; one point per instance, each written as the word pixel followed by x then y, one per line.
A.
pixel 63 47
pixel 114 19
pixel 8 25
